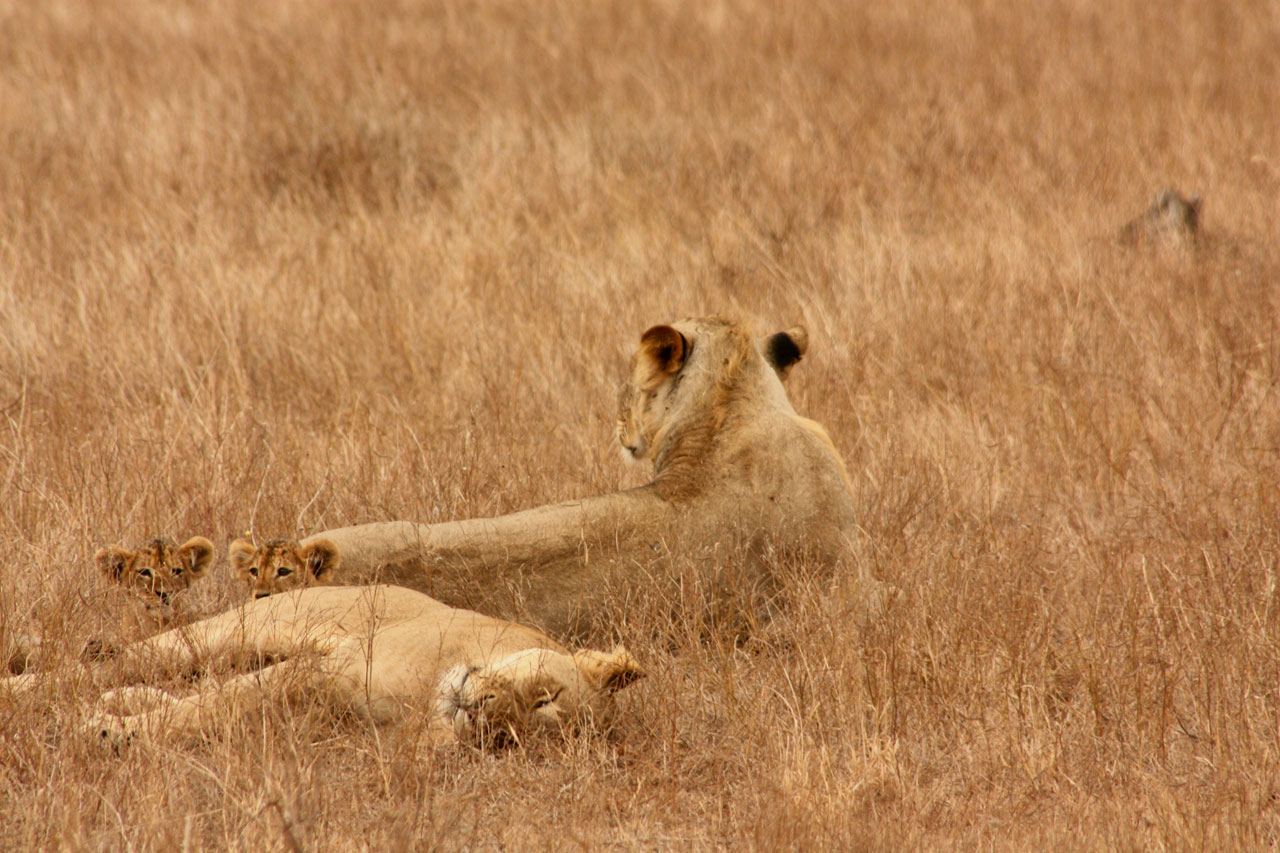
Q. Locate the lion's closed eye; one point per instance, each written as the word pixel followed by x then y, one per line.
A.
pixel 547 699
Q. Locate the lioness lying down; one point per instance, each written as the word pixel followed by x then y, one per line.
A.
pixel 738 477
pixel 381 652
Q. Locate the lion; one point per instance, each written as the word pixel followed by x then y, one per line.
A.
pixel 739 479
pixel 383 653
pixel 280 565
pixel 1171 219
pixel 151 580
pixel 155 575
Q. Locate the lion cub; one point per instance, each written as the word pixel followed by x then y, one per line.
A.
pixel 280 565
pixel 151 580
pixel 155 575
pixel 1171 218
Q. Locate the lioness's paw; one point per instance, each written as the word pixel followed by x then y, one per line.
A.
pixel 110 731
pixel 19 685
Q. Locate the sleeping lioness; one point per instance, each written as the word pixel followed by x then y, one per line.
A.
pixel 385 653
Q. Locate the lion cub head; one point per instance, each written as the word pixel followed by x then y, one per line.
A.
pixel 157 571
pixel 282 564
pixel 535 692
pixel 682 372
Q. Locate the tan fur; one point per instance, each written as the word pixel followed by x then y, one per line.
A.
pixel 281 565
pixel 737 473
pixel 385 653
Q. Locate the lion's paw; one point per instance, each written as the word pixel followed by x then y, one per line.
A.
pixel 19 685
pixel 111 731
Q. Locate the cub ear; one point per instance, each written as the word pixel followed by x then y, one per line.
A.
pixel 196 555
pixel 784 349
pixel 664 349
pixel 112 562
pixel 321 558
pixel 609 672
pixel 241 553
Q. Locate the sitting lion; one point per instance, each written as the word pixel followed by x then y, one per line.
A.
pixel 151 580
pixel 382 652
pixel 738 477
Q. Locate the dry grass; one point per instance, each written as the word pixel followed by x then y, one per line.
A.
pixel 281 269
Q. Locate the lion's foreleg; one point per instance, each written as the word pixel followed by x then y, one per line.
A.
pixel 404 551
pixel 233 640
pixel 214 707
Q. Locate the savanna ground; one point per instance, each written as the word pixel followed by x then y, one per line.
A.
pixel 289 266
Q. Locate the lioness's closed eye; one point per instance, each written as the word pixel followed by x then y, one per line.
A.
pixel 280 565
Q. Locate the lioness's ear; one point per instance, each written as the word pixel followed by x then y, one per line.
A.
pixel 241 553
pixel 784 349
pixel 112 561
pixel 664 348
pixel 196 555
pixel 322 559
pixel 612 671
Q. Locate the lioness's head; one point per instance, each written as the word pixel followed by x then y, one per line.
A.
pixel 283 564
pixel 157 571
pixel 535 692
pixel 692 367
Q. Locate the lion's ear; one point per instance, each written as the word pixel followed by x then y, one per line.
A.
pixel 610 672
pixel 241 553
pixel 112 561
pixel 784 349
pixel 321 558
pixel 664 349
pixel 196 555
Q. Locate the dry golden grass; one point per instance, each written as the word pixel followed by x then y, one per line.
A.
pixel 283 267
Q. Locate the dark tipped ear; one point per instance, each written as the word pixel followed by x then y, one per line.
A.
pixel 241 553
pixel 112 562
pixel 610 672
pixel 665 349
pixel 321 558
pixel 196 555
pixel 784 349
